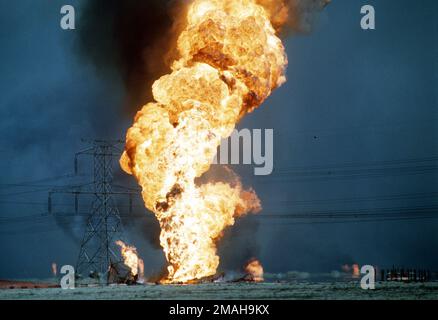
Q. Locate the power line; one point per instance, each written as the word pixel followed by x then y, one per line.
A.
pixel 289 203
pixel 318 173
pixel 351 170
pixel 378 213
pixel 354 212
pixel 363 164
pixel 409 196
pixel 37 181
pixel 283 224
pixel 44 189
pixel 353 221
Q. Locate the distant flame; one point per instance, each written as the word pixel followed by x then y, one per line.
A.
pixel 255 270
pixel 141 278
pixel 353 269
pixel 230 60
pixel 130 257
pixel 346 268
pixel 356 271
pixel 54 269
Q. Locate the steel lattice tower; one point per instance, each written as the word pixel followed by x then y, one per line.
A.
pixel 98 250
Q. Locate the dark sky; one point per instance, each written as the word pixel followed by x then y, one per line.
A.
pixel 355 130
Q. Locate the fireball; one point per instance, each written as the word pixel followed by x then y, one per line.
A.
pixel 130 257
pixel 255 270
pixel 230 60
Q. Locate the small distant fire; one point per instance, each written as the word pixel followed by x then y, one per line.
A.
pixel 254 269
pixel 346 268
pixel 141 278
pixel 130 257
pixel 54 269
pixel 354 269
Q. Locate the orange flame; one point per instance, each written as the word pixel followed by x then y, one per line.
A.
pixel 130 257
pixel 141 278
pixel 356 270
pixel 255 270
pixel 230 60
pixel 54 269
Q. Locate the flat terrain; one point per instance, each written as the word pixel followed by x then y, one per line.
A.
pixel 6 284
pixel 290 290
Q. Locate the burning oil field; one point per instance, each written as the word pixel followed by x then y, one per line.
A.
pixel 259 137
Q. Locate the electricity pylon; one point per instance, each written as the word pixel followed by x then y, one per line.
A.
pixel 98 251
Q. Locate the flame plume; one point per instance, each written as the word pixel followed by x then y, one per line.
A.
pixel 130 257
pixel 230 60
pixel 255 270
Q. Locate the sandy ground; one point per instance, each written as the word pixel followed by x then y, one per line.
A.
pixel 291 290
pixel 8 284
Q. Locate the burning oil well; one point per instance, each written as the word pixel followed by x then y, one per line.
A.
pixel 230 60
pixel 227 59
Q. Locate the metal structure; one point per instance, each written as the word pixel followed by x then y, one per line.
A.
pixel 98 251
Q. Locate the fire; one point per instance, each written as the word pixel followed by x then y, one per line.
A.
pixel 356 270
pixel 141 278
pixel 130 257
pixel 255 270
pixel 230 60
pixel 54 269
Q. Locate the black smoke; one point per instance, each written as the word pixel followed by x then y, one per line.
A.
pixel 303 15
pixel 130 40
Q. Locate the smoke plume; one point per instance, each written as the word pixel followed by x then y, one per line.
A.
pixel 293 16
pixel 129 39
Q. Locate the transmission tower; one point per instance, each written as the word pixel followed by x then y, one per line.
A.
pixel 98 251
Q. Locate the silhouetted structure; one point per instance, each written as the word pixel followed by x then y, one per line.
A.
pixel 405 275
pixel 98 252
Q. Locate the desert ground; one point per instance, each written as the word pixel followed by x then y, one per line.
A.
pixel 265 290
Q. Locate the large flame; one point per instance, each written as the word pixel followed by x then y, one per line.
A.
pixel 230 61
